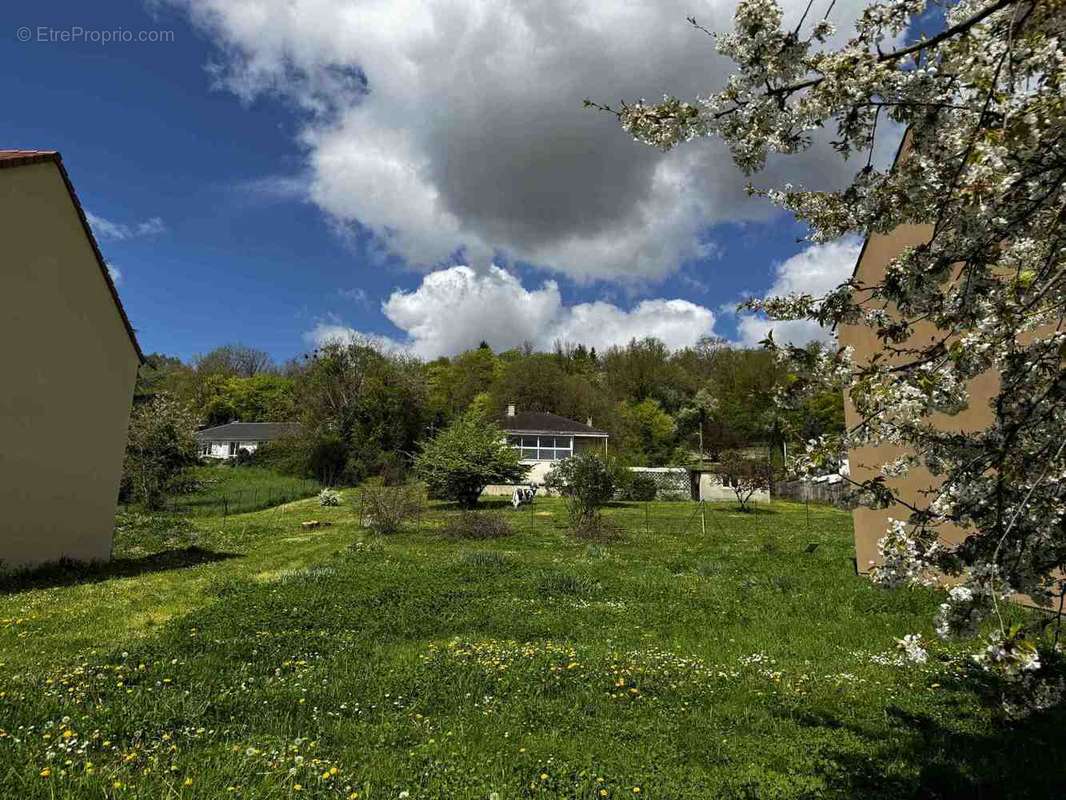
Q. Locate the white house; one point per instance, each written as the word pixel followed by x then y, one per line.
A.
pixel 226 441
pixel 542 439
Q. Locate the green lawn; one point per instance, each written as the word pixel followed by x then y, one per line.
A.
pixel 276 662
pixel 236 490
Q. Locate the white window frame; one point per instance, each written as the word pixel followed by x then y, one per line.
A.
pixel 522 447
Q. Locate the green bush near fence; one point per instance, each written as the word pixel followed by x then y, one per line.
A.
pixel 219 490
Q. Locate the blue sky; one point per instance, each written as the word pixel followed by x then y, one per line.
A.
pixel 243 252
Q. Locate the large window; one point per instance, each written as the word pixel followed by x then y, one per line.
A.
pixel 543 448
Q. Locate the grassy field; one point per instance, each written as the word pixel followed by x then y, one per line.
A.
pixel 236 490
pixel 248 657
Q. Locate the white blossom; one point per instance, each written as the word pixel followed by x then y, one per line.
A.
pixel 985 170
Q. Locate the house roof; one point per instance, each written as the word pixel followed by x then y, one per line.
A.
pixel 248 432
pixel 18 158
pixel 543 422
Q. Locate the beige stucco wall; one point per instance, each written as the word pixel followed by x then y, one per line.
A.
pixel 865 462
pixel 68 373
pixel 538 470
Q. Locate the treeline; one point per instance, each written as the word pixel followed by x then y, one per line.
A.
pixel 363 411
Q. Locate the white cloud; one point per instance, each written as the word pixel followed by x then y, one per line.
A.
pixel 455 309
pixel 356 294
pixel 115 273
pixel 447 127
pixel 813 271
pixel 118 231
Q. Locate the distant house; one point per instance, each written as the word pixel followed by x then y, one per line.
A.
pixel 226 441
pixel 70 364
pixel 542 439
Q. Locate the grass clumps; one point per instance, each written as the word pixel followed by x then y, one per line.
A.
pixel 388 509
pixel 476 525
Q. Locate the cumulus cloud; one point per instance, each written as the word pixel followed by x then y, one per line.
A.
pixel 119 231
pixel 115 273
pixel 453 129
pixel 813 271
pixel 455 309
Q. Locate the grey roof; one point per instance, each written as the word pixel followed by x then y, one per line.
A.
pixel 543 422
pixel 248 432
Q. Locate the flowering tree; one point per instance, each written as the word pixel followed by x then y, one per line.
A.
pixel 983 102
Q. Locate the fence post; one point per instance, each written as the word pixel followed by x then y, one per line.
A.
pixel 646 512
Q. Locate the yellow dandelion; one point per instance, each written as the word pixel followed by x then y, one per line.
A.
pixel 603 792
pixel 188 782
pixel 544 776
pixel 46 772
pixel 297 787
pixel 636 790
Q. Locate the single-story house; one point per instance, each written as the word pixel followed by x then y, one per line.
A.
pixel 70 364
pixel 226 441
pixel 542 439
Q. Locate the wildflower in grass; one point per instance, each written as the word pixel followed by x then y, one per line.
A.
pixel 187 782
pixel 46 772
pixel 329 497
pixel 911 645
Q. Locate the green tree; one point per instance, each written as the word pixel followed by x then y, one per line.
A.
pixel 586 481
pixel 159 448
pixel 744 475
pixel 695 416
pixel 468 455
pixel 363 404
pixel 648 431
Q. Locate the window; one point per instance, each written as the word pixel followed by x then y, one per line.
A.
pixel 543 448
pixel 205 449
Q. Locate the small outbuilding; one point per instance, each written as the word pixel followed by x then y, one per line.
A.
pixel 70 364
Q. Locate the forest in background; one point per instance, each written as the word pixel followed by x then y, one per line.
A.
pixel 364 410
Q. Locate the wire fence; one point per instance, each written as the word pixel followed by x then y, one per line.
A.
pixel 237 501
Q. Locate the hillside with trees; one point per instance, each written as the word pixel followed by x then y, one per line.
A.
pixel 364 410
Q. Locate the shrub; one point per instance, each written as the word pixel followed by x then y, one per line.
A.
pixel 327 459
pixel 587 483
pixel 642 488
pixel 161 446
pixel 385 509
pixel 464 458
pixel 244 458
pixel 476 525
pixel 329 497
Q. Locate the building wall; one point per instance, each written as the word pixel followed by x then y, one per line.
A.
pixel 538 470
pixel 221 449
pixel 68 374
pixel 865 462
pixel 713 490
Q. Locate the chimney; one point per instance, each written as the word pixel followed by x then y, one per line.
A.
pixel 510 410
